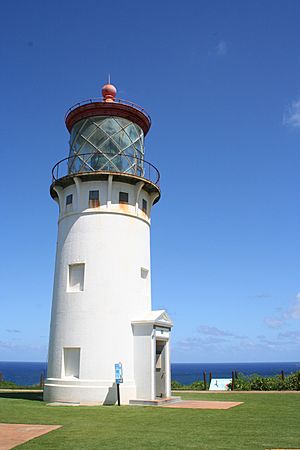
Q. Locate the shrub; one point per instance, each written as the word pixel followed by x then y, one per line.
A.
pixel 11 385
pixel 8 385
pixel 195 386
pixel 176 385
pixel 253 382
pixel 292 382
pixel 259 383
pixel 242 383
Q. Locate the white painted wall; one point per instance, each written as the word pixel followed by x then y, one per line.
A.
pixel 113 242
pixel 143 363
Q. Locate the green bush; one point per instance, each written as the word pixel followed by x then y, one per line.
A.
pixel 258 383
pixel 7 385
pixel 252 383
pixel 176 385
pixel 242 383
pixel 292 382
pixel 195 386
pixel 11 385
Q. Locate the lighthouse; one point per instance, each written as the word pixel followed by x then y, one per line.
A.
pixel 101 308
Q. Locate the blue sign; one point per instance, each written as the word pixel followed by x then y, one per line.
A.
pixel 119 373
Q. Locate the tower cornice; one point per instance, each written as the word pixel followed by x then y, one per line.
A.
pixel 118 108
pixel 68 180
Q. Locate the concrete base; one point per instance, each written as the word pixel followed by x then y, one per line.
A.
pixel 157 402
pixel 199 404
pixel 62 390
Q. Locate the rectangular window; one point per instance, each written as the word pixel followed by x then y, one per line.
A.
pixel 94 199
pixel 144 206
pixel 69 199
pixel 123 197
pixel 71 362
pixel 94 195
pixel 76 278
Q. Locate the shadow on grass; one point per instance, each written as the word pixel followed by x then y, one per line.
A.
pixel 36 396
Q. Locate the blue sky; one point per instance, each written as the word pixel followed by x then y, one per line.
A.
pixel 221 83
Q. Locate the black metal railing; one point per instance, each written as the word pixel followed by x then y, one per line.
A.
pixel 105 163
pixel 116 100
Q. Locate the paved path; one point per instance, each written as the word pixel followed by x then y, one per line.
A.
pixel 33 391
pixel 199 404
pixel 14 434
pixel 182 391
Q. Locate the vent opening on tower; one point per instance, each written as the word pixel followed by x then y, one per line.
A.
pixel 94 199
pixel 69 199
pixel 144 272
pixel 123 197
pixel 144 206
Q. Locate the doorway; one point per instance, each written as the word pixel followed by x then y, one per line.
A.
pixel 160 369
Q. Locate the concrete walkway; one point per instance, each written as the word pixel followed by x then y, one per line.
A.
pixel 182 391
pixel 14 434
pixel 32 391
pixel 199 404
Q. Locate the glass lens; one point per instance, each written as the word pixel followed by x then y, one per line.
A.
pixel 106 143
pixel 110 126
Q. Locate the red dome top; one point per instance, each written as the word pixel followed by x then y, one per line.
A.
pixel 108 106
pixel 109 92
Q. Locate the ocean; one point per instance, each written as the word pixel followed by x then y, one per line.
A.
pixel 28 373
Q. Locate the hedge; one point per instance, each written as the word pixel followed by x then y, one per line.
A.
pixel 251 383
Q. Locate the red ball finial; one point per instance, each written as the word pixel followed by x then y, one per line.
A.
pixel 109 92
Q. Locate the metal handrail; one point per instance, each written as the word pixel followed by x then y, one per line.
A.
pixel 140 165
pixel 116 100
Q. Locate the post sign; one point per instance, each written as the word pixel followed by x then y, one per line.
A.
pixel 119 373
pixel 119 379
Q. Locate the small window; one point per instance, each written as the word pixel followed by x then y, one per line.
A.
pixel 94 195
pixel 71 362
pixel 123 197
pixel 76 278
pixel 144 206
pixel 69 199
pixel 94 199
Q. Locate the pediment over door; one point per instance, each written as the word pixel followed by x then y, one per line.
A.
pixel 159 317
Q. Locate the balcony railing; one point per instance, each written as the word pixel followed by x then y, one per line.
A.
pixel 105 163
pixel 116 100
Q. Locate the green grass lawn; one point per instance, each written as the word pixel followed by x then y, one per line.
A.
pixel 263 421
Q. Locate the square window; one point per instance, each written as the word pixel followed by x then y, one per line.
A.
pixel 76 278
pixel 144 206
pixel 94 195
pixel 123 197
pixel 69 199
pixel 94 199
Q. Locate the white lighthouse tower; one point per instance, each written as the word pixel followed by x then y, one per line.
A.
pixel 101 310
